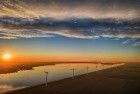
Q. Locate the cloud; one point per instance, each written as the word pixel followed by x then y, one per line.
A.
pixel 59 9
pixel 137 44
pixel 15 27
pixel 86 19
pixel 5 88
pixel 16 34
pixel 132 41
pixel 16 8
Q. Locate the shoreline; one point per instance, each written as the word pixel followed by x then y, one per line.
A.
pixel 120 76
pixel 16 68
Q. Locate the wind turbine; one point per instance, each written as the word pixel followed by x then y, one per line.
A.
pixel 103 66
pixel 46 77
pixel 96 67
pixel 87 69
pixel 73 72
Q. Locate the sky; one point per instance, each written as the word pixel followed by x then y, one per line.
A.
pixel 70 30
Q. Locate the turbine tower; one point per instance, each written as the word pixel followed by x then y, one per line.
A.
pixel 46 77
pixel 96 67
pixel 73 72
pixel 87 70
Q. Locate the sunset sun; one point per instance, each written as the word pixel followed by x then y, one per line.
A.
pixel 7 56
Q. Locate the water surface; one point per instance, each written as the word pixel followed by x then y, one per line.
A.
pixel 36 76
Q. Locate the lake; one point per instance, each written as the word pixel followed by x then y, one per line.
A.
pixel 37 76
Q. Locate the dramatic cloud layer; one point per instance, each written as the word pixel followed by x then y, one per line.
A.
pixel 78 28
pixel 86 19
pixel 126 9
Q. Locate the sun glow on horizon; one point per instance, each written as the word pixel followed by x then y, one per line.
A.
pixel 7 56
